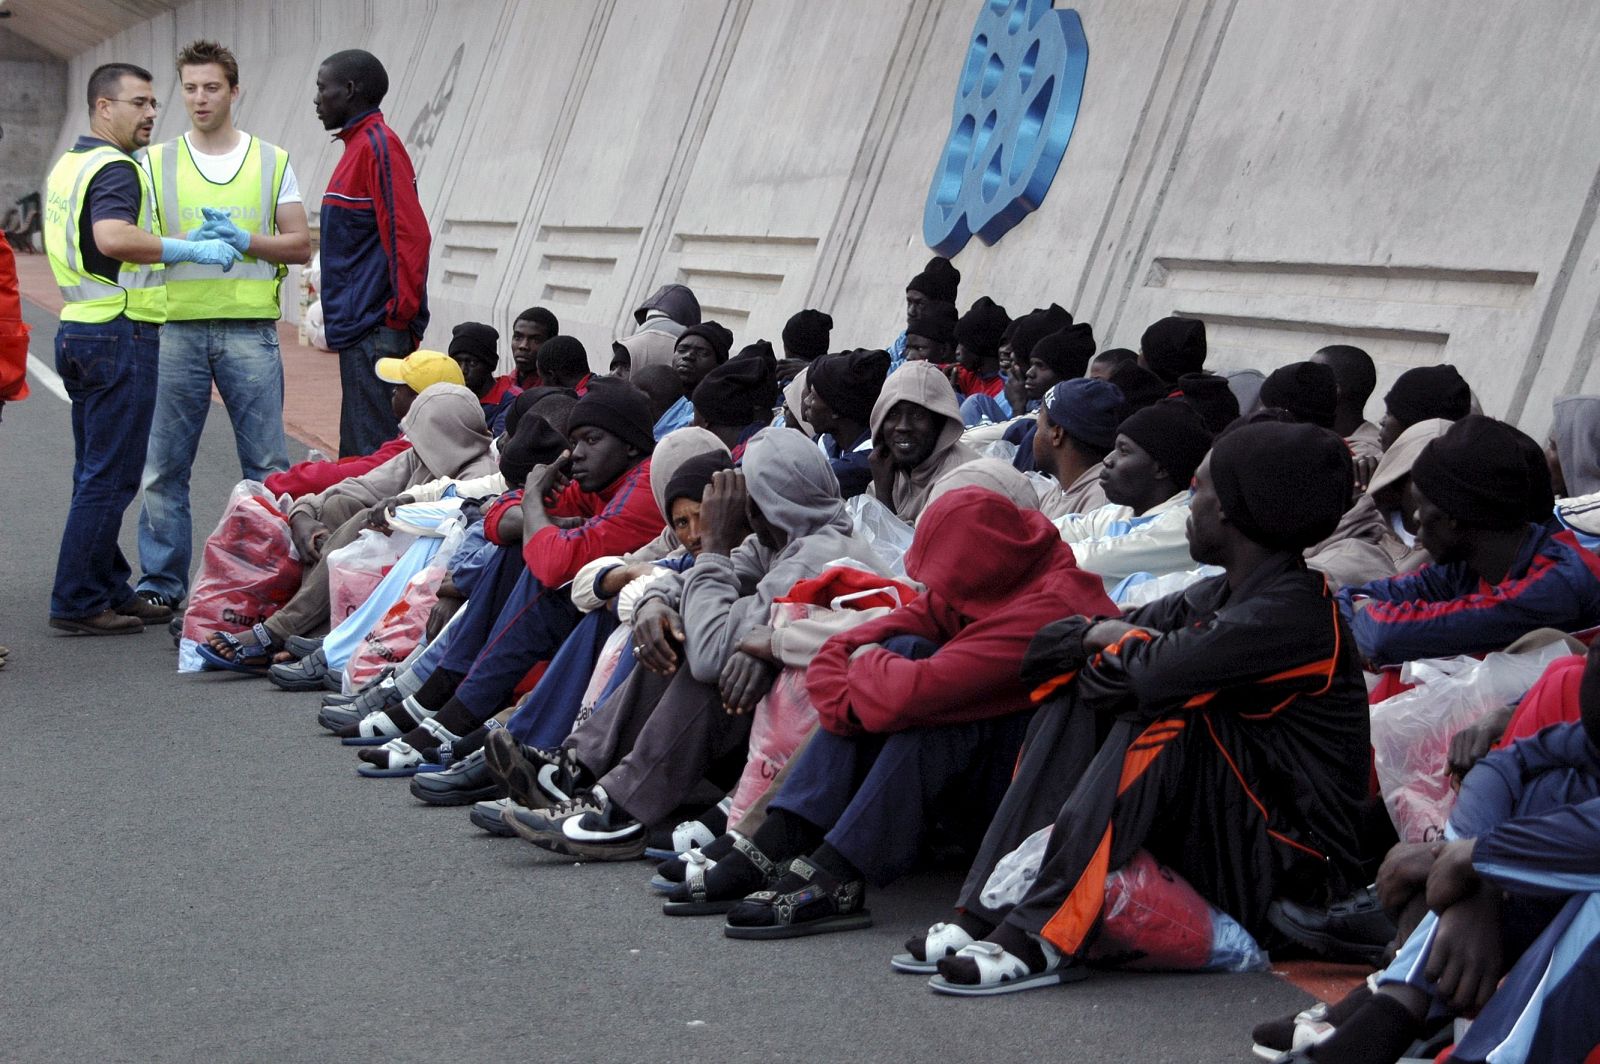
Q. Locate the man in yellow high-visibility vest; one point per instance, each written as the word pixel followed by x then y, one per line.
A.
pixel 221 326
pixel 100 235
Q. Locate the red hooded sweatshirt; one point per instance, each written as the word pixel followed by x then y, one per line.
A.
pixel 995 575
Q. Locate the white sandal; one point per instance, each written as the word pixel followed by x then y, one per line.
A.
pixel 1000 972
pixel 942 940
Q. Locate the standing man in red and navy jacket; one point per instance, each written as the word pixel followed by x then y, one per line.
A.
pixel 374 247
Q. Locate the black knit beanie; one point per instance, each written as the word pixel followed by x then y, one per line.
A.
pixel 981 328
pixel 1066 351
pixel 805 335
pixel 713 333
pixel 741 391
pixel 1174 346
pixel 1174 436
pixel 1034 326
pixel 476 340
pixel 1285 485
pixel 1308 390
pixel 694 476
pixel 938 280
pixel 619 409
pixel 936 321
pixel 1428 392
pixel 1481 472
pixel 849 382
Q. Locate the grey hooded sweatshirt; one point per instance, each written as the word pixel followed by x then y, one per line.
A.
pixel 1576 433
pixel 448 439
pixel 723 597
pixel 670 309
pixel 921 383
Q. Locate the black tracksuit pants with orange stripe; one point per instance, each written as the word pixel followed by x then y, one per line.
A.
pixel 1227 736
pixel 1174 787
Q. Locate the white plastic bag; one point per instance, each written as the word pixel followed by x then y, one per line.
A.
pixel 877 524
pixel 1016 871
pixel 1411 731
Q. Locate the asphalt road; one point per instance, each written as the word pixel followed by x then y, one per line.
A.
pixel 193 871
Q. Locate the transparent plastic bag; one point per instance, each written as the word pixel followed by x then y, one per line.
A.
pixel 248 570
pixel 1152 919
pixel 1411 731
pixel 356 569
pixel 877 524
pixel 401 603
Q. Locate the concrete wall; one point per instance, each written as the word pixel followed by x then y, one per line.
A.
pixel 1400 176
pixel 33 93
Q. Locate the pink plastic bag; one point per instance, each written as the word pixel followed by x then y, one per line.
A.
pixel 605 667
pixel 248 568
pixel 781 723
pixel 355 569
pixel 394 637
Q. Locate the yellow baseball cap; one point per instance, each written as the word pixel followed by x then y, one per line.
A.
pixel 420 369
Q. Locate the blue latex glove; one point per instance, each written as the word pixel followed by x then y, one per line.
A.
pixel 205 252
pixel 219 226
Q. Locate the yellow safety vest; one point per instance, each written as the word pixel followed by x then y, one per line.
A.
pixel 197 292
pixel 137 290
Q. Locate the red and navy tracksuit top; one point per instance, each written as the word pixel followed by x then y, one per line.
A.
pixel 374 238
pixel 1444 610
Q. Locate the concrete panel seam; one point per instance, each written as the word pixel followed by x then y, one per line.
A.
pixel 1169 83
pixel 556 147
pixel 1582 232
pixel 1136 142
pixel 1196 95
pixel 708 90
pixel 882 133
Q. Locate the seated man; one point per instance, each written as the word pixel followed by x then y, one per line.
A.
pixel 937 283
pixel 736 399
pixel 1377 537
pixel 931 335
pixel 699 350
pixel 1233 725
pixel 410 375
pixel 805 339
pixel 1495 575
pixel 605 508
pixel 978 336
pixel 1307 391
pixel 476 349
pixel 1146 481
pixel 1016 350
pixel 840 392
pixel 563 363
pixel 1075 429
pixel 1515 878
pixel 922 711
pixel 1422 393
pixel 790 497
pixel 532 328
pixel 916 438
pixel 606 591
pixel 448 438
pixel 1354 378
pixel 1173 347
pixel 1059 357
pixel 1211 398
pixel 660 385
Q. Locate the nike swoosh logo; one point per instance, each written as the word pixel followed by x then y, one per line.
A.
pixel 547 783
pixel 572 829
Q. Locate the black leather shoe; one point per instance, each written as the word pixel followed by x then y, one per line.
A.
pixel 463 783
pixel 1356 930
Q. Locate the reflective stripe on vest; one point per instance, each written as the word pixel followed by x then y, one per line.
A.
pixel 138 291
pixel 200 292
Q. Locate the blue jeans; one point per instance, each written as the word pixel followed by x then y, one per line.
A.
pixel 242 358
pixel 109 370
pixel 366 419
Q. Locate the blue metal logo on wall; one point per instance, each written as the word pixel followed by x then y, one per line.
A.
pixel 1016 104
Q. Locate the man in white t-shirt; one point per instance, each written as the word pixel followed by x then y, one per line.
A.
pixel 217 182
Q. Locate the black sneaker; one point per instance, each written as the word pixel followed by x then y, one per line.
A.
pixel 464 782
pixel 590 826
pixel 533 778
